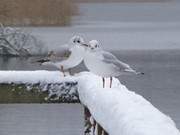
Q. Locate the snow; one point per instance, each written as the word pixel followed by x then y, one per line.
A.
pixel 59 88
pixel 121 111
pixel 38 76
pixel 118 110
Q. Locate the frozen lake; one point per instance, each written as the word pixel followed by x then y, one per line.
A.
pixel 41 119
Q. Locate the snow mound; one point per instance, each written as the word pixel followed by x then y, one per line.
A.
pixel 122 112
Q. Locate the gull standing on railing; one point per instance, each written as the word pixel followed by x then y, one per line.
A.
pixel 104 63
pixel 66 57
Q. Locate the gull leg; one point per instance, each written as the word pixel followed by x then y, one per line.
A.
pixel 62 70
pixel 111 81
pixel 70 73
pixel 103 79
pixel 94 126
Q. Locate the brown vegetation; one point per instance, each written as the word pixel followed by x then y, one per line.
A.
pixel 36 12
pixel 126 1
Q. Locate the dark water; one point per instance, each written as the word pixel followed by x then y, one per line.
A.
pixel 160 84
pixel 41 119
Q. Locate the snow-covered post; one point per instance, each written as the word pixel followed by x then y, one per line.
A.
pixel 37 86
pixel 91 126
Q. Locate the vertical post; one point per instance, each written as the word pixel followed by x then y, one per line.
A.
pixel 87 123
pixel 92 127
pixel 99 130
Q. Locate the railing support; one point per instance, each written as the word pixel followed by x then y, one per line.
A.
pixel 91 126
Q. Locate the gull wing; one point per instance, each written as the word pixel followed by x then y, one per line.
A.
pixel 56 55
pixel 61 51
pixel 111 59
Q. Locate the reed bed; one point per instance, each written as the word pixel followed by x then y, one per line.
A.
pixel 36 12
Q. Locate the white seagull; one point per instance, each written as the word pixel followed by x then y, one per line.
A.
pixel 68 56
pixel 104 63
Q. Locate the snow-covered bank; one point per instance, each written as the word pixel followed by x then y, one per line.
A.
pixel 122 112
pixel 118 110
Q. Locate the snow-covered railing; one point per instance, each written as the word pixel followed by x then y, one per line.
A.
pixel 51 86
pixel 117 110
pixel 123 112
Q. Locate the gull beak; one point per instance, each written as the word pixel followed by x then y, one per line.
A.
pixel 85 45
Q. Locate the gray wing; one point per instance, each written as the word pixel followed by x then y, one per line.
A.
pixel 111 59
pixel 61 51
pixel 56 55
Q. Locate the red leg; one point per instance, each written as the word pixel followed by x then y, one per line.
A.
pixel 111 81
pixel 94 126
pixel 70 72
pixel 62 70
pixel 103 79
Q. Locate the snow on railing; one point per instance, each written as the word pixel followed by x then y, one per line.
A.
pixel 123 112
pixel 17 42
pixel 58 88
pixel 117 110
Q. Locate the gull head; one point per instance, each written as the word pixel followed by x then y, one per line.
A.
pixel 94 45
pixel 77 40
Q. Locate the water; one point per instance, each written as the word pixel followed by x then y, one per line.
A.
pixel 41 119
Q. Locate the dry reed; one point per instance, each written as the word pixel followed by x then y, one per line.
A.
pixel 36 12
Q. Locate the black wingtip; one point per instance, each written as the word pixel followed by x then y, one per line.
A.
pixel 142 73
pixel 41 61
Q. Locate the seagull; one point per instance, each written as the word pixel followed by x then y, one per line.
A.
pixel 104 63
pixel 67 56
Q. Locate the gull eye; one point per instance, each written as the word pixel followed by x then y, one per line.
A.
pixel 78 41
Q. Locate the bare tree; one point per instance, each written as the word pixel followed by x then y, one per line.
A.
pixel 17 42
